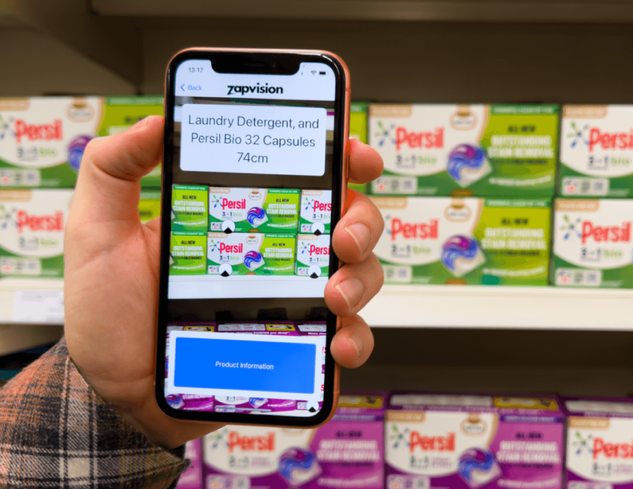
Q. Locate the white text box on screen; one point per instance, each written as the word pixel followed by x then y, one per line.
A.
pixel 267 140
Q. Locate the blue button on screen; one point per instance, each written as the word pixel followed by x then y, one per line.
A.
pixel 245 365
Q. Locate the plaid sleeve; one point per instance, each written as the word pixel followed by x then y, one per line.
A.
pixel 55 431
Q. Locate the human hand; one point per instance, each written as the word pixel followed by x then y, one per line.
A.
pixel 112 273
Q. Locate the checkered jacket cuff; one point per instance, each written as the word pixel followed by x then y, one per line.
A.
pixel 55 431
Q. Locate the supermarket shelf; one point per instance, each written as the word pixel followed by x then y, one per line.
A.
pixel 401 10
pixel 31 301
pixel 501 307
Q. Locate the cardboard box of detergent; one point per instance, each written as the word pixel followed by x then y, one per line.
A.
pixel 149 205
pixel 465 150
pixel 42 139
pixel 473 441
pixel 121 113
pixel 358 130
pixel 599 443
pixel 346 452
pixel 189 208
pixel 438 240
pixel 316 212
pixel 32 224
pixel 592 243
pixel 251 254
pixel 188 253
pixel 596 151
pixel 253 210
pixel 313 255
pixel 192 478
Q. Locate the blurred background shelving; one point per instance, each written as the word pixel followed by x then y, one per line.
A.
pixel 563 51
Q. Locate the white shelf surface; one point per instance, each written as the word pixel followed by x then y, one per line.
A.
pixel 31 301
pixel 501 307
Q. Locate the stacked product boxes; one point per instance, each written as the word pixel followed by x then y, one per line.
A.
pixel 42 142
pixel 410 440
pixel 346 452
pixel 593 212
pixel 226 231
pixel 466 192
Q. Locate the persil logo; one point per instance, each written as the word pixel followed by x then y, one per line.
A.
pixel 38 132
pixel 431 443
pixel 424 139
pixel 30 222
pixel 245 90
pixel 319 250
pixel 612 450
pixel 224 248
pixel 413 230
pixel 233 204
pixel 321 206
pixel 264 443
pixel 613 234
pixel 610 140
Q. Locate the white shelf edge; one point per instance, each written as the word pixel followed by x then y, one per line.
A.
pixel 10 286
pixel 501 307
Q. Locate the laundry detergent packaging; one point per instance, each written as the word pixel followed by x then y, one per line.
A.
pixel 121 113
pixel 251 254
pixel 313 255
pixel 472 442
pixel 189 208
pixel 316 212
pixel 192 478
pixel 358 130
pixel 346 452
pixel 43 139
pixel 599 443
pixel 443 240
pixel 285 328
pixel 465 150
pixel 596 151
pixel 592 243
pixel 32 224
pixel 253 210
pixel 187 253
pixel 149 205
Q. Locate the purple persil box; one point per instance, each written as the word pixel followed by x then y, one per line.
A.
pixel 192 477
pixel 599 442
pixel 473 441
pixel 346 452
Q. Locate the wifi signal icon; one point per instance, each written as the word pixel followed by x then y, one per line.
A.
pixel 313 72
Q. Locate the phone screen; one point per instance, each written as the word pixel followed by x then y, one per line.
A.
pixel 251 195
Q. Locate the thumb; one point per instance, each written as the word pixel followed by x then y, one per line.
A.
pixel 108 185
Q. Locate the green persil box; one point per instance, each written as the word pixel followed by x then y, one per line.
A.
pixel 313 255
pixel 316 212
pixel 592 243
pixel 358 130
pixel 443 240
pixel 32 224
pixel 189 208
pixel 465 150
pixel 250 254
pixel 596 151
pixel 121 113
pixel 42 139
pixel 253 210
pixel 188 253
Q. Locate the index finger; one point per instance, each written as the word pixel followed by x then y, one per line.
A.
pixel 365 164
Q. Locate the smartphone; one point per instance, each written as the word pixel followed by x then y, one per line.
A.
pixel 254 182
